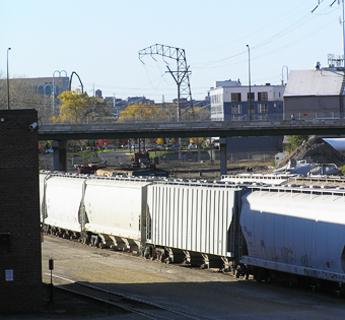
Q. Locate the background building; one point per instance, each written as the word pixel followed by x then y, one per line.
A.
pixel 44 85
pixel 315 94
pixel 230 101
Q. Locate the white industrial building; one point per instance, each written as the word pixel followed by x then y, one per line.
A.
pixel 230 101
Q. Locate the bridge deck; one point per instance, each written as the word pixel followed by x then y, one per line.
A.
pixel 190 129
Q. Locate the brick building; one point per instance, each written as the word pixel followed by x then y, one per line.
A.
pixel 20 243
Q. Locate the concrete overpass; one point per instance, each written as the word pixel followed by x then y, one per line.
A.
pixel 60 134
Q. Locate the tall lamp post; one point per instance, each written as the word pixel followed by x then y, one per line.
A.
pixel 8 85
pixel 250 88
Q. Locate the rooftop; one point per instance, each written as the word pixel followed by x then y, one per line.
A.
pixel 318 82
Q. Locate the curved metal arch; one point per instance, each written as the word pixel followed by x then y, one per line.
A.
pixel 70 82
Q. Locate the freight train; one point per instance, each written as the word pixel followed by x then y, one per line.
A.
pixel 268 231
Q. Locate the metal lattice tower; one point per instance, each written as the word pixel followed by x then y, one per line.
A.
pixel 181 75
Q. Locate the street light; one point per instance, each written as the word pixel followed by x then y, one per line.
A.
pixel 8 85
pixel 250 92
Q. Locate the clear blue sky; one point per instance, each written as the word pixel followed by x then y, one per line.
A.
pixel 100 40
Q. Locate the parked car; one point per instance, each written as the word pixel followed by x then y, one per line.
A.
pixel 173 148
pixel 157 148
pixel 50 151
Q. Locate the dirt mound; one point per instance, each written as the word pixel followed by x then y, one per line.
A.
pixel 315 150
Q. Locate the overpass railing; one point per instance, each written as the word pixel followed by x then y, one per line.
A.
pixel 139 126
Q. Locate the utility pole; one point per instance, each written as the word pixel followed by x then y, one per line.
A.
pixel 8 84
pixel 250 87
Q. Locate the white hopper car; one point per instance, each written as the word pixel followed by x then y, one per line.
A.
pixel 263 231
pixel 105 212
pixel 295 230
pixel 169 220
pixel 191 221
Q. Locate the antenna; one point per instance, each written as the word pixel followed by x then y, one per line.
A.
pixel 342 21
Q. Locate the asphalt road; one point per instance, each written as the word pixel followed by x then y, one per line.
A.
pixel 203 293
pixel 115 157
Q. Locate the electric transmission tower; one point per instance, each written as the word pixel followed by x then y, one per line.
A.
pixel 180 75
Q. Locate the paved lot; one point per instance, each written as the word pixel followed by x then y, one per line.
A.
pixel 200 292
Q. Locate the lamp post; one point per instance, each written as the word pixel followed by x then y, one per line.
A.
pixel 8 85
pixel 250 91
pixel 287 74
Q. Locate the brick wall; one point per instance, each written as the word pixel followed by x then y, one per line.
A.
pixel 20 246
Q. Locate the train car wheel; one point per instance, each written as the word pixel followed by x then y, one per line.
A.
pixel 258 278
pixel 101 245
pixel 269 279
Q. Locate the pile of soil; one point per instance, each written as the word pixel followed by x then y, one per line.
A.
pixel 315 150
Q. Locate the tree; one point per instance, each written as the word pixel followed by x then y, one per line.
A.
pixel 160 141
pixel 195 140
pixel 139 112
pixel 198 114
pixel 79 108
pixel 295 141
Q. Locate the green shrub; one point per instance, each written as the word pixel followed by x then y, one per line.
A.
pixel 342 170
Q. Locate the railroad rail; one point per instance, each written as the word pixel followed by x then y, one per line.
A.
pixel 140 307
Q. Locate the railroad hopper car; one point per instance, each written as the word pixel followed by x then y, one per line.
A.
pixel 266 179
pixel 191 222
pixel 103 211
pixel 299 231
pixel 60 204
pixel 264 231
pixel 115 211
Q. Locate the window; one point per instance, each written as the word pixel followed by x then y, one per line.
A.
pixel 235 97
pixel 216 98
pixel 263 108
pixel 236 109
pixel 265 117
pixel 262 96
pixel 251 96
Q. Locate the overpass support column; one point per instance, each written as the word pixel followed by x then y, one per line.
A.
pixel 223 157
pixel 60 155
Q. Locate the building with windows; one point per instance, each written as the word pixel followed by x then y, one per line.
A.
pixel 230 101
pixel 44 85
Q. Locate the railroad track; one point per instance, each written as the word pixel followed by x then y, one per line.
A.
pixel 143 309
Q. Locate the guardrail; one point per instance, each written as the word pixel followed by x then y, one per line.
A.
pixel 191 129
pixel 189 125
